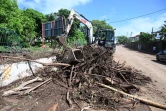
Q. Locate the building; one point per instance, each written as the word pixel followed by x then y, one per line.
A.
pixel 135 37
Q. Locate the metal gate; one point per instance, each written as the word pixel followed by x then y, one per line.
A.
pixel 9 41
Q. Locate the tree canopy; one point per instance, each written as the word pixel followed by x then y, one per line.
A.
pixel 26 23
pixel 163 31
pixel 145 37
pixel 100 24
pixel 122 39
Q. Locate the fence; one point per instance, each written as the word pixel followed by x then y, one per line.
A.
pixel 160 45
pixel 9 41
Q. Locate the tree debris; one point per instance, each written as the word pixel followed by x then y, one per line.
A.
pixel 21 87
pixel 79 80
pixel 135 97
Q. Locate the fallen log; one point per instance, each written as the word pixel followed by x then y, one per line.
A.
pixel 21 87
pixel 44 64
pixel 135 97
pixel 28 91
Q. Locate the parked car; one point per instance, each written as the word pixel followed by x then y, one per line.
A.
pixel 161 55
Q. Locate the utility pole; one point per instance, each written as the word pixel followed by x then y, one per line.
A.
pixel 152 33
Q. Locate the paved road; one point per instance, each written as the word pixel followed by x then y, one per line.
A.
pixel 151 68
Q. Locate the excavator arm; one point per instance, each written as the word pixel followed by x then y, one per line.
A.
pixel 71 55
pixel 75 15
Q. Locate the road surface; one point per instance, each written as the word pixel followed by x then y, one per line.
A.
pixel 156 91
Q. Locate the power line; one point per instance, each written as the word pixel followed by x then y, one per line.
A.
pixel 138 16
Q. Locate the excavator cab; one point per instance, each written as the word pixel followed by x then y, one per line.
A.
pixel 106 38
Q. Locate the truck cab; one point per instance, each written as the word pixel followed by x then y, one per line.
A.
pixel 106 38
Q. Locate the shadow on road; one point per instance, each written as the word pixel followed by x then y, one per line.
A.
pixel 160 62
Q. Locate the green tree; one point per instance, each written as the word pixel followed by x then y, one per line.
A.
pixel 145 37
pixel 26 23
pixel 37 17
pixel 51 16
pixel 163 31
pixel 78 38
pixel 76 23
pixel 122 39
pixel 10 15
pixel 100 24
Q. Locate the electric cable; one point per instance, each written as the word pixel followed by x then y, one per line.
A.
pixel 138 16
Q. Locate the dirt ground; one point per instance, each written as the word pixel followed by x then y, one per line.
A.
pixel 150 67
pixel 41 99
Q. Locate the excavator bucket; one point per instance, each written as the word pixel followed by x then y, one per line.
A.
pixel 70 55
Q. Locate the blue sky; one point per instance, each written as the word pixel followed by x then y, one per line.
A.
pixel 114 10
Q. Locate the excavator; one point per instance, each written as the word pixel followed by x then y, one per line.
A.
pixel 104 38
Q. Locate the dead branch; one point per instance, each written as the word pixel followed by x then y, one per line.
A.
pixel 21 87
pixel 135 97
pixel 68 99
pixel 44 64
pixel 130 86
pixel 28 91
pixel 124 78
pixel 71 74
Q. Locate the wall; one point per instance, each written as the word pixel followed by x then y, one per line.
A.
pixel 14 71
pixel 148 46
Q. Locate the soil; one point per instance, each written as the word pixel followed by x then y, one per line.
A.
pixel 156 91
pixel 41 99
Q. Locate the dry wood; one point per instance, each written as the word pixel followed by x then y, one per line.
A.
pixel 69 84
pixel 21 87
pixel 71 74
pixel 28 91
pixel 124 78
pixel 45 64
pixel 127 86
pixel 135 97
pixel 68 99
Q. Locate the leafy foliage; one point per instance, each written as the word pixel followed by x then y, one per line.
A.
pixel 145 37
pixel 77 39
pixel 122 39
pixel 100 24
pixel 76 23
pixel 51 16
pixel 163 31
pixel 26 23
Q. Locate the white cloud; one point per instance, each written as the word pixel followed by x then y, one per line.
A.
pixel 141 25
pixel 48 6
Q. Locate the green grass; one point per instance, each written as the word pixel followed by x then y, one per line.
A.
pixel 37 49
pixel 4 49
pixel 9 49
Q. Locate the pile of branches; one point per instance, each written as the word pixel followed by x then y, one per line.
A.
pixel 82 79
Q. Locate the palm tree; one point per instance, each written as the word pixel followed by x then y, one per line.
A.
pixel 163 31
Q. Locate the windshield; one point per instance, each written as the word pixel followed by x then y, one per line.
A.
pixel 110 35
pixel 107 35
